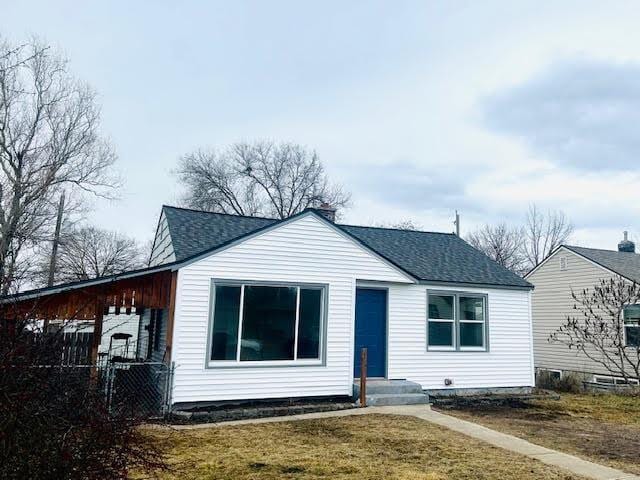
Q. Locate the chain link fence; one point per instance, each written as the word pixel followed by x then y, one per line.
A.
pixel 144 388
pixel 136 389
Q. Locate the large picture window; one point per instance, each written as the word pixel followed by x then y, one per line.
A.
pixel 267 323
pixel 456 321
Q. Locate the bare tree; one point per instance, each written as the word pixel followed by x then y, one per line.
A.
pixel 598 331
pixel 49 139
pixel 544 232
pixel 89 252
pixel 259 178
pixel 501 243
pixel 404 224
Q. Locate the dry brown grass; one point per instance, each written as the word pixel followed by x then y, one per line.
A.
pixel 617 409
pixel 601 428
pixel 357 447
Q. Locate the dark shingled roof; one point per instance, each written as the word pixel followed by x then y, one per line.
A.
pixel 428 256
pixel 626 264
pixel 438 257
pixel 193 231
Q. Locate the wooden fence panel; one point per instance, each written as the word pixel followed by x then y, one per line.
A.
pixel 76 348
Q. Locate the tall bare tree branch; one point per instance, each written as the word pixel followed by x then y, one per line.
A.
pixel 502 243
pixel 90 252
pixel 259 178
pixel 544 232
pixel 49 139
pixel 521 248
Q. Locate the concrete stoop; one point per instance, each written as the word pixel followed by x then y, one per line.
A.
pixel 391 392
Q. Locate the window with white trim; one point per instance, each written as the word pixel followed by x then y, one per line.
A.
pixel 615 380
pixel 631 315
pixel 266 323
pixel 457 321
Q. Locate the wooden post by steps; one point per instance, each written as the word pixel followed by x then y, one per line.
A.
pixel 172 314
pixel 97 335
pixel 363 377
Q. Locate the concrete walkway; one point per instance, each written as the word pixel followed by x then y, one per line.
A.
pixel 502 440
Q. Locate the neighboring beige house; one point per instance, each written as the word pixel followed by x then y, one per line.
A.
pixel 576 268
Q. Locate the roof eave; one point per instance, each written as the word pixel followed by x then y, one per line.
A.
pixel 45 291
pixel 496 286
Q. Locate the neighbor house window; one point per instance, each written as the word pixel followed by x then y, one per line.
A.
pixel 266 323
pixel 456 321
pixel 632 325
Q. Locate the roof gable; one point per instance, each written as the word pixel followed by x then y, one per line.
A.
pixel 305 238
pixel 426 256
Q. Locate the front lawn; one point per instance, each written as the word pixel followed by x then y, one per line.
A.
pixel 355 447
pixel 604 428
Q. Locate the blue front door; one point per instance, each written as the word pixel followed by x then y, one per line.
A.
pixel 371 331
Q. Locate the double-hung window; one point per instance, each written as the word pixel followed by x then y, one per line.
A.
pixel 442 319
pixel 457 321
pixel 266 323
pixel 632 325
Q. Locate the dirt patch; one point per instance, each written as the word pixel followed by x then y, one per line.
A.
pixel 579 424
pixel 358 447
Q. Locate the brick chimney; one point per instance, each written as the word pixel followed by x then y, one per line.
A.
pixel 327 211
pixel 627 245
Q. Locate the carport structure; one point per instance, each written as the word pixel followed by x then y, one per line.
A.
pixel 90 300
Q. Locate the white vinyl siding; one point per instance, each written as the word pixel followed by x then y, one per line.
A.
pixel 507 363
pixel 159 331
pixel 304 250
pixel 552 303
pixel 112 324
pixel 162 251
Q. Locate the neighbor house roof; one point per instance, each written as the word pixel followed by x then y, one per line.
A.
pixel 626 264
pixel 426 256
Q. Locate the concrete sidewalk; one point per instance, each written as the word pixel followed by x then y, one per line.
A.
pixel 502 440
pixel 514 444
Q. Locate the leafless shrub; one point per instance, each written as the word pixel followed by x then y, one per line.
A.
pixel 569 382
pixel 54 422
pixel 597 331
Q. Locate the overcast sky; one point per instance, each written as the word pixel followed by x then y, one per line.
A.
pixel 419 108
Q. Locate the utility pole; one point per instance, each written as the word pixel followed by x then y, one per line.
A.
pixel 56 242
pixel 456 222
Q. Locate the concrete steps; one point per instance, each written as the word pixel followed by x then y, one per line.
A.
pixel 391 392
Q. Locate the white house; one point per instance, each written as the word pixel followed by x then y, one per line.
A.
pixel 273 309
